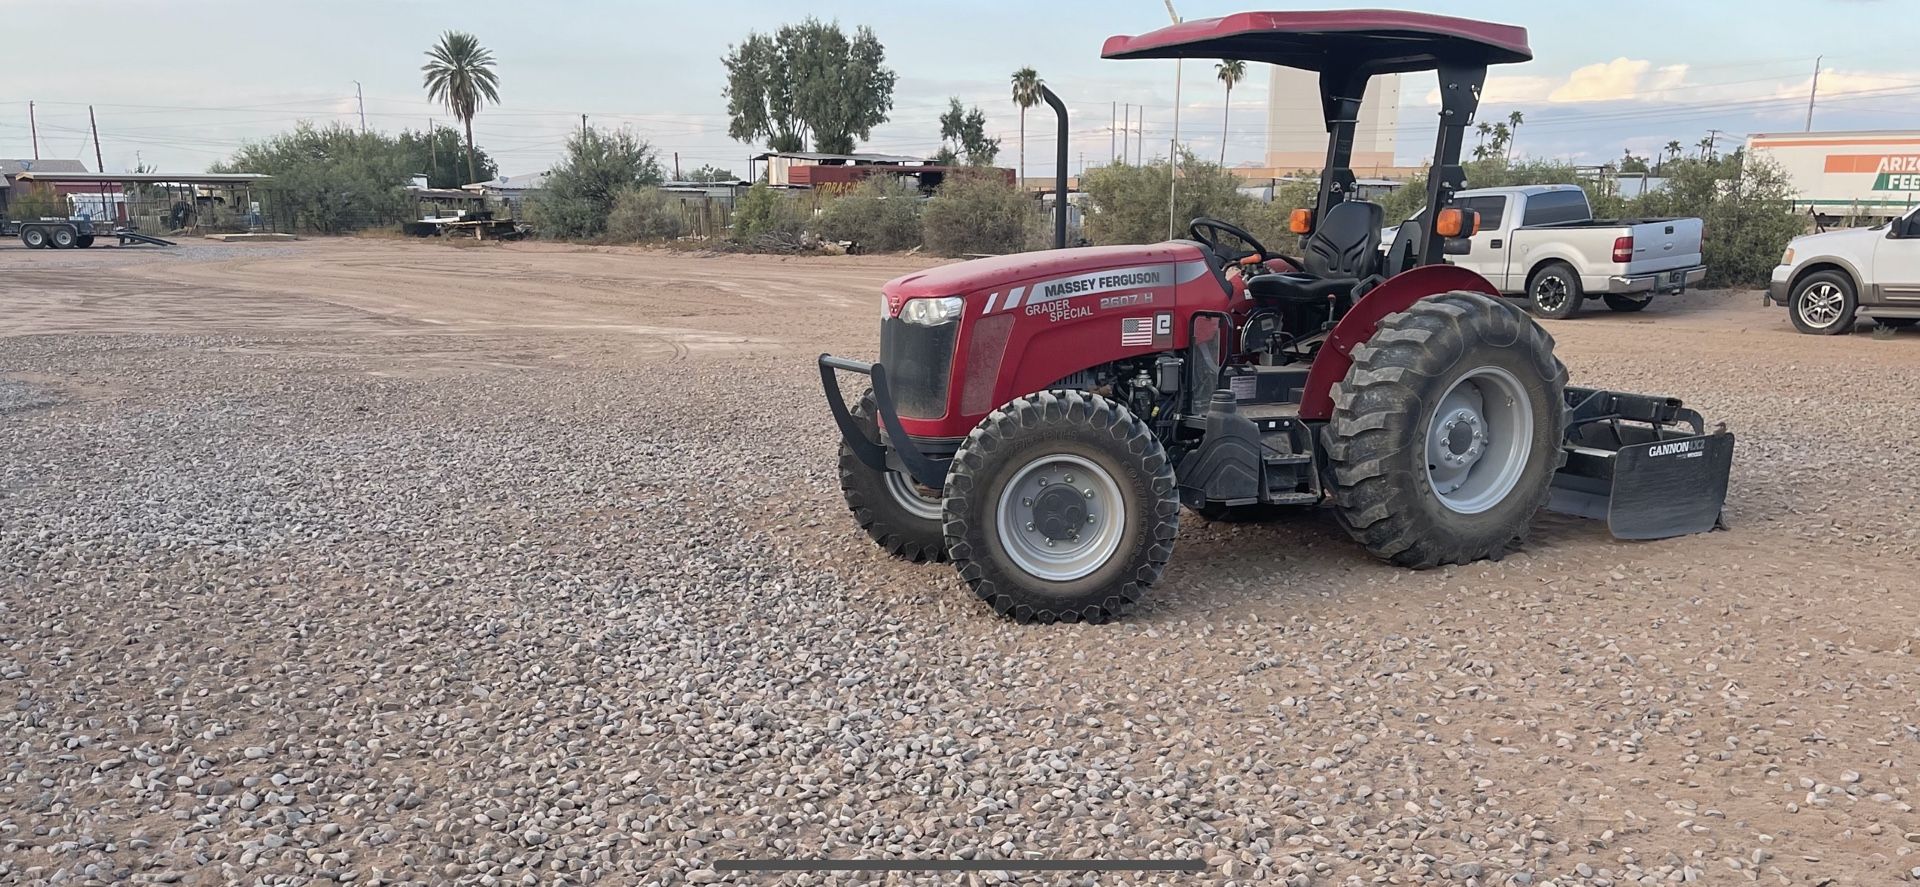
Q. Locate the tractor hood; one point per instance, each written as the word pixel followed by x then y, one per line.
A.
pixel 1004 273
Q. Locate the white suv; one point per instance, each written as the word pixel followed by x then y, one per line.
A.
pixel 1826 280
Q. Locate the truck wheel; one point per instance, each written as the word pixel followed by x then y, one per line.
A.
pixel 1554 292
pixel 1446 431
pixel 1061 506
pixel 63 237
pixel 83 241
pixel 1626 305
pixel 897 512
pixel 34 238
pixel 1823 304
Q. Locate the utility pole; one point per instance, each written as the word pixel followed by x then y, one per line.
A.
pixel 1126 132
pixel 1113 135
pixel 433 149
pixel 1140 141
pixel 1173 148
pixel 1713 139
pixel 583 124
pixel 360 99
pixel 102 164
pixel 33 123
pixel 1814 92
pixel 676 166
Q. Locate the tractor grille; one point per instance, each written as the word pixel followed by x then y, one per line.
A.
pixel 919 362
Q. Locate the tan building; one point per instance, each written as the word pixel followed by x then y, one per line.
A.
pixel 1297 130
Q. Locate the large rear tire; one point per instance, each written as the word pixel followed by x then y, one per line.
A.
pixel 900 515
pixel 1061 506
pixel 1446 431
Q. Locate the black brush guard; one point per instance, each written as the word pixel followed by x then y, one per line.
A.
pixel 1646 465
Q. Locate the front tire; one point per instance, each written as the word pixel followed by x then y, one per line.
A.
pixel 901 516
pixel 1061 506
pixel 1823 304
pixel 1446 431
pixel 1626 305
pixel 1554 292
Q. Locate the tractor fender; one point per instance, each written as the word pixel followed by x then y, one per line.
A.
pixel 1398 293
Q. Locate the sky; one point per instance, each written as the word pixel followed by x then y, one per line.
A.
pixel 182 84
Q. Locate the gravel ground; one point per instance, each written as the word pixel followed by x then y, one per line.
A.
pixel 384 562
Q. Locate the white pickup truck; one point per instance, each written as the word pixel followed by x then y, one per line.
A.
pixel 1542 242
pixel 1828 279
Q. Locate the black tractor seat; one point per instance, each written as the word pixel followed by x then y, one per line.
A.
pixel 1342 251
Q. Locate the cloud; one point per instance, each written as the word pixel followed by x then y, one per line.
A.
pixel 1617 80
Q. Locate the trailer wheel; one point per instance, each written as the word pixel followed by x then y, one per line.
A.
pixel 1061 506
pixel 1823 304
pixel 1554 292
pixel 1625 304
pixel 898 513
pixel 63 237
pixel 34 237
pixel 1446 431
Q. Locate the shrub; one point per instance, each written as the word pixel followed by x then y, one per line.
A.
pixel 641 213
pixel 978 214
pixel 882 215
pixel 331 179
pixel 579 193
pixel 1129 203
pixel 768 218
pixel 37 202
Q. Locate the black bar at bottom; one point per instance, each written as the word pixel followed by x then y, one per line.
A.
pixel 959 865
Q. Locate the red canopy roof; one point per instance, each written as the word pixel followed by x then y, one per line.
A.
pixel 1374 41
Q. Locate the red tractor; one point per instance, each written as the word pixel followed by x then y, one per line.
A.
pixel 1040 419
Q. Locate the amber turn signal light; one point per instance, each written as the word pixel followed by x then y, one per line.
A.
pixel 1456 223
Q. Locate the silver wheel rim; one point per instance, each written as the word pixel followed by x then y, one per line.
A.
pixel 1478 440
pixel 35 238
pixel 1550 292
pixel 908 494
pixel 1041 530
pixel 1821 304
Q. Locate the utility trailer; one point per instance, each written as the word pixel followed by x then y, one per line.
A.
pixel 49 233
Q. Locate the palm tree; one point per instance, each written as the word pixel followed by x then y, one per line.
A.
pixel 1513 131
pixel 1484 129
pixel 459 74
pixel 1705 145
pixel 1230 72
pixel 1026 94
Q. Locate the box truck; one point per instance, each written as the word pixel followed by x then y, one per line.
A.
pixel 1866 176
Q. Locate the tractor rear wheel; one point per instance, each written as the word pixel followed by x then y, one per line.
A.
pixel 1061 506
pixel 898 513
pixel 1446 431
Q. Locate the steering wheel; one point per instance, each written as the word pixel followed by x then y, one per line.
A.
pixel 1205 231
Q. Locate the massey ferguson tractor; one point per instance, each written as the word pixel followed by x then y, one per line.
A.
pixel 1039 419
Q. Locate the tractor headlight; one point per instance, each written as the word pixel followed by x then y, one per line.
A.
pixel 932 312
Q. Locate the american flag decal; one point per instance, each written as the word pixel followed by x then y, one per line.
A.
pixel 1136 331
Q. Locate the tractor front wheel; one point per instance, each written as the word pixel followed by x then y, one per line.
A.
pixel 1061 506
pixel 898 513
pixel 1446 431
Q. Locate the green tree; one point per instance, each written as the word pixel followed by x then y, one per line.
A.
pixel 1633 162
pixel 965 132
pixel 808 80
pixel 438 155
pixel 1026 94
pixel 1230 72
pixel 709 174
pixel 1128 204
pixel 580 192
pixel 459 74
pixel 331 179
pixel 978 213
pixel 881 215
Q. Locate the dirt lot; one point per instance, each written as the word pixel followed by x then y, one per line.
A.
pixel 369 560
